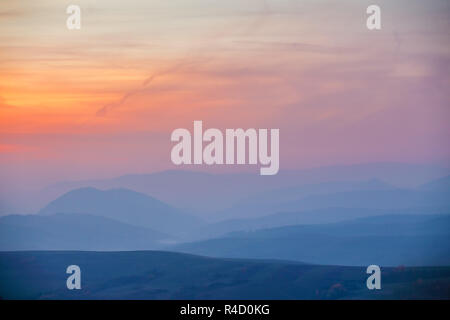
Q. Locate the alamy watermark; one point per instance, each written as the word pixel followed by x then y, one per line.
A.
pixel 73 21
pixel 374 280
pixel 74 280
pixel 373 22
pixel 237 147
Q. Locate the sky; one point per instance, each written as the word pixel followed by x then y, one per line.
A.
pixel 102 101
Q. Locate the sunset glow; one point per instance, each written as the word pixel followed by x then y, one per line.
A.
pixel 102 101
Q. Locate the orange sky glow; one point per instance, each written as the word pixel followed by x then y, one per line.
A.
pixel 102 101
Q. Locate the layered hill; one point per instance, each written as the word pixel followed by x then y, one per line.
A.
pixel 388 240
pixel 126 206
pixel 165 275
pixel 69 231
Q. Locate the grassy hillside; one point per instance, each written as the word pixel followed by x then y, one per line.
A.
pixel 165 275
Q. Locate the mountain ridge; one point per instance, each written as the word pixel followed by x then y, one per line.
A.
pixel 124 205
pixel 74 231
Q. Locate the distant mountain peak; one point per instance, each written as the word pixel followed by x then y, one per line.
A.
pixel 124 205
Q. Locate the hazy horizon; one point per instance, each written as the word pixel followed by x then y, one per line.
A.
pixel 102 101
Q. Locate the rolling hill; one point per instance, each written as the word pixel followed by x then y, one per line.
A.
pixel 317 216
pixel 165 275
pixel 385 240
pixel 65 231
